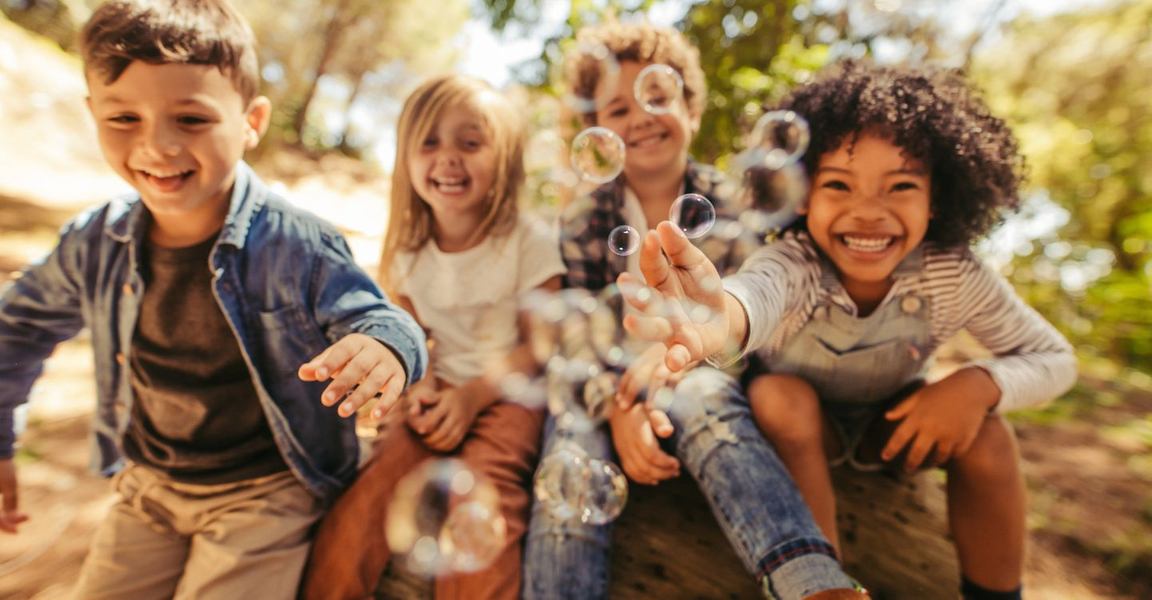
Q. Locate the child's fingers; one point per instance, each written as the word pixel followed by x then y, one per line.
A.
pixel 652 453
pixel 389 396
pixel 653 263
pixel 678 358
pixel 661 424
pixel 632 383
pixel 648 328
pixel 352 372
pixel 903 408
pixel 330 360
pixel 429 420
pixel 943 454
pixel 372 384
pixel 441 439
pixel 922 447
pixel 900 438
pixel 312 370
pixel 9 515
pixel 680 252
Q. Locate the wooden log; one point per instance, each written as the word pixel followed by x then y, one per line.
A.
pixel 667 543
pixel 894 533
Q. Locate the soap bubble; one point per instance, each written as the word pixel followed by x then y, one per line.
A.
pixel 657 88
pixel 624 240
pixel 782 135
pixel 770 198
pixel 573 486
pixel 590 61
pixel 559 481
pixel 693 214
pixel 597 154
pixel 443 518
pixel 605 494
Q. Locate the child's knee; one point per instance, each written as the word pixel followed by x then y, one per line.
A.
pixel 786 408
pixel 993 454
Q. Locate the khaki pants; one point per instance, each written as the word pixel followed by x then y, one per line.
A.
pixel 350 552
pixel 164 539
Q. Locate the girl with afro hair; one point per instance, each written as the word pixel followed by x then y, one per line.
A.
pixel 843 313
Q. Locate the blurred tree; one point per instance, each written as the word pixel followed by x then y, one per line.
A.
pixel 58 20
pixel 304 41
pixel 1076 88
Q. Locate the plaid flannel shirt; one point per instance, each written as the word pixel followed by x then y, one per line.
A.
pixel 586 223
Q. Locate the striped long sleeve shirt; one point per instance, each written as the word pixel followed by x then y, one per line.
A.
pixel 780 287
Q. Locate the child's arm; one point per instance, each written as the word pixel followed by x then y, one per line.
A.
pixel 1033 364
pixel 38 310
pixel 445 424
pixel 376 347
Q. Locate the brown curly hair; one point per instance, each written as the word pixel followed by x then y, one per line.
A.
pixel 934 117
pixel 637 42
pixel 195 32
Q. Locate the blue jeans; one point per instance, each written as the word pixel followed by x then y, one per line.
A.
pixel 751 494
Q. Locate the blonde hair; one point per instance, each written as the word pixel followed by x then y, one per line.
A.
pixel 410 218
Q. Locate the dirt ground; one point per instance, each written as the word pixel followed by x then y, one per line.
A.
pixel 1087 457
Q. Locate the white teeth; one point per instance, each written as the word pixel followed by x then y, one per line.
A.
pixel 648 141
pixel 163 174
pixel 451 186
pixel 870 244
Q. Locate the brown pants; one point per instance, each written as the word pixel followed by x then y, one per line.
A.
pixel 350 553
pixel 165 539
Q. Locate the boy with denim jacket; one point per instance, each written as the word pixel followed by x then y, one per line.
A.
pixel 709 428
pixel 218 315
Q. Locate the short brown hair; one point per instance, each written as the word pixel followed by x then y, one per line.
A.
pixel 643 43
pixel 195 32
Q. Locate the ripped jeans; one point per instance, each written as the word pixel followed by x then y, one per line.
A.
pixel 752 497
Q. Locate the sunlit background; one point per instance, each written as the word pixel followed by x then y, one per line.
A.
pixel 1073 77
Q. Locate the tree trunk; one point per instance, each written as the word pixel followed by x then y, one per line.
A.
pixel 893 532
pixel 327 51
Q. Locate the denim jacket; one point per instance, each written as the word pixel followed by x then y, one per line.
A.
pixel 286 283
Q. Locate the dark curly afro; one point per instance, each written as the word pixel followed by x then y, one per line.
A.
pixel 932 116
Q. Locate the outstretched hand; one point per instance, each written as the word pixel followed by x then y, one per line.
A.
pixel 360 367
pixel 685 308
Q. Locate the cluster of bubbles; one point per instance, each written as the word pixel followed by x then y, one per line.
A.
pixel 579 338
pixel 575 486
pixel 444 518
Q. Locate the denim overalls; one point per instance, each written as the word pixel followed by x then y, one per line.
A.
pixel 860 366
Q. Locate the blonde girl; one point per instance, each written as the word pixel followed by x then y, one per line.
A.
pixel 457 254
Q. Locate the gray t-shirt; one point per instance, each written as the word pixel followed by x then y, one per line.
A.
pixel 196 415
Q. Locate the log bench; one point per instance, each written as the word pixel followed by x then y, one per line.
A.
pixel 893 532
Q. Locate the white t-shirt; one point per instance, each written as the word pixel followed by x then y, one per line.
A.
pixel 468 300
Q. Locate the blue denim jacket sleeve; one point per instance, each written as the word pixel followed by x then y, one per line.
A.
pixel 346 300
pixel 38 310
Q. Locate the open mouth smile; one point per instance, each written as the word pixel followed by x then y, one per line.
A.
pixel 866 243
pixel 166 180
pixel 451 185
pixel 648 140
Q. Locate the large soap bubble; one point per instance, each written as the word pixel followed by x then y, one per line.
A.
pixel 443 518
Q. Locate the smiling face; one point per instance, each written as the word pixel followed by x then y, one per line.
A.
pixel 175 132
pixel 655 145
pixel 453 168
pixel 868 208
